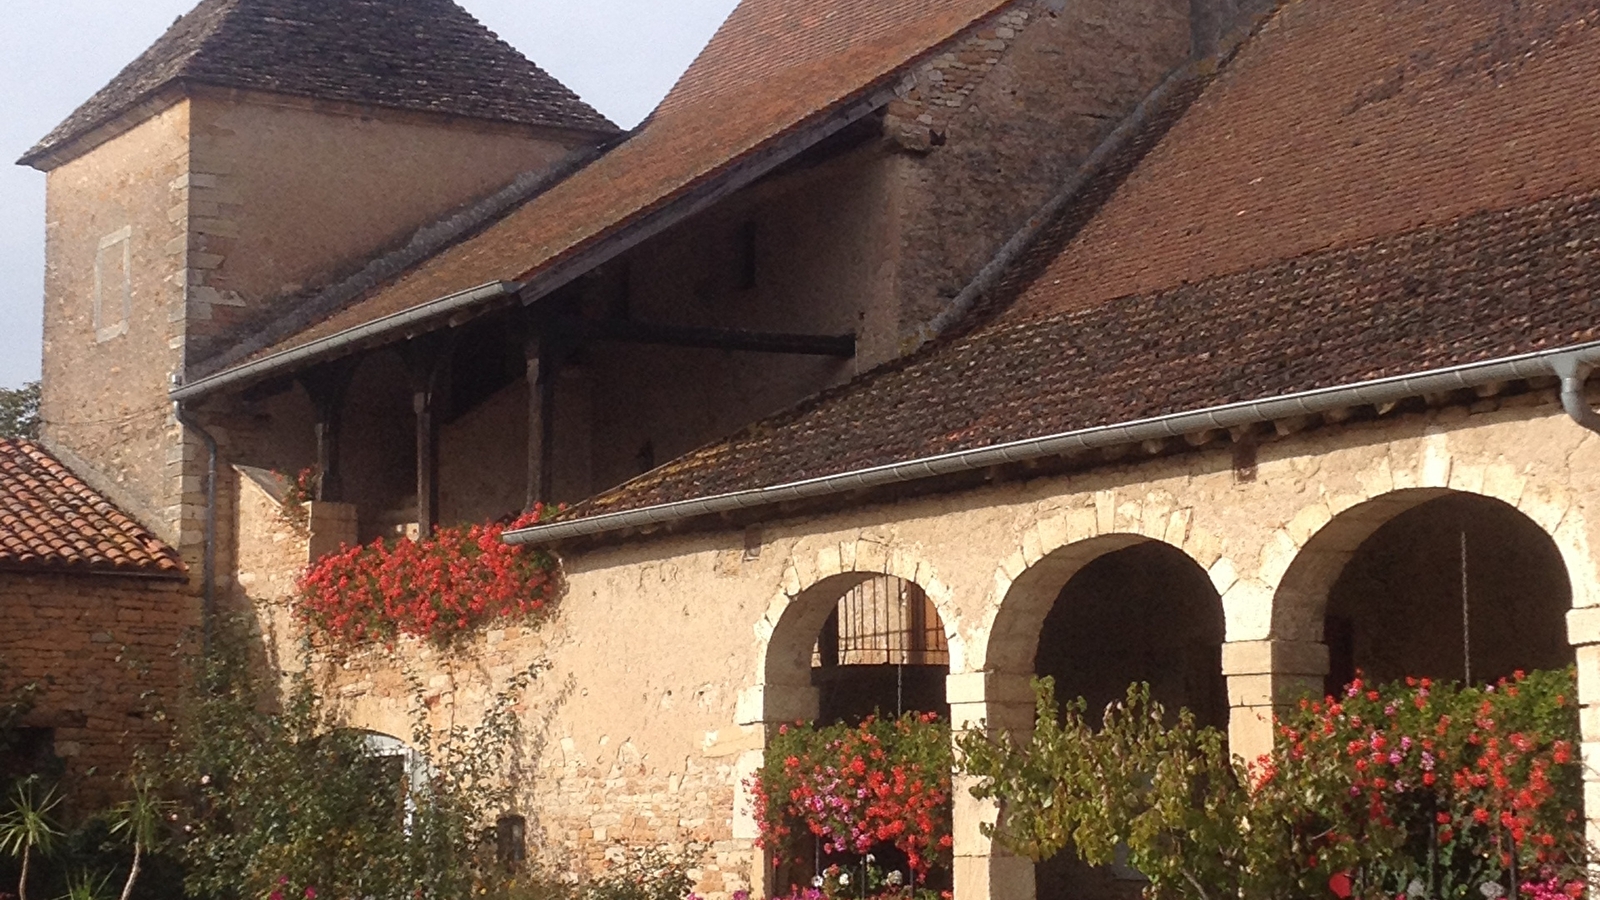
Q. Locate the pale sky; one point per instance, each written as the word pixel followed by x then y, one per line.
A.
pixel 620 55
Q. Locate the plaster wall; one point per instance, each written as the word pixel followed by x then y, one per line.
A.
pixel 286 195
pixel 668 657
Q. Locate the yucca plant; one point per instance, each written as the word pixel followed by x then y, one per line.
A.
pixel 27 828
pixel 138 820
pixel 85 886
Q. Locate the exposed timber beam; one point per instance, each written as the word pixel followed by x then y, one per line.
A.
pixel 621 331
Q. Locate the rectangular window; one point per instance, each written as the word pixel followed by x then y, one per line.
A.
pixel 113 285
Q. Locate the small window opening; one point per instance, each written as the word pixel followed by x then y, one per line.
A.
pixel 113 285
pixel 511 842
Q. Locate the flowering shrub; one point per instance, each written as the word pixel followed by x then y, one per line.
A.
pixel 1416 790
pixel 866 880
pixel 854 788
pixel 1433 786
pixel 457 580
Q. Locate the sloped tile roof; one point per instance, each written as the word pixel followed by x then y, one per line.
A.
pixel 425 55
pixel 1488 286
pixel 50 521
pixel 1471 233
pixel 1347 120
pixel 773 66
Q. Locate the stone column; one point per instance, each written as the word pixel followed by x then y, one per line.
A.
pixel 332 525
pixel 1583 631
pixel 983 869
pixel 766 708
pixel 1266 678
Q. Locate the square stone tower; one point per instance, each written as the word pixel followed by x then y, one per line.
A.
pixel 259 151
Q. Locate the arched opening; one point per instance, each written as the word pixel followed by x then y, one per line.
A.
pixel 1098 616
pixel 848 648
pixel 882 652
pixel 1456 587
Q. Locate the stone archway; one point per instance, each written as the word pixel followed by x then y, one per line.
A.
pixel 1098 615
pixel 802 677
pixel 1400 584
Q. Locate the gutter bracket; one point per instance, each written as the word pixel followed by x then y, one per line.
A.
pixel 1574 374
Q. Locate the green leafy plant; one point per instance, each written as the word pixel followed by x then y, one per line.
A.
pixel 280 801
pixel 1413 789
pixel 19 412
pixel 86 886
pixel 28 828
pixel 1167 796
pixel 139 820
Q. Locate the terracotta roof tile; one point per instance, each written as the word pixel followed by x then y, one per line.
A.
pixel 425 55
pixel 1346 120
pixel 1418 190
pixel 773 66
pixel 52 521
pixel 1486 286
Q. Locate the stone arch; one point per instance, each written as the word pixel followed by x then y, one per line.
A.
pixel 788 635
pixel 812 587
pixel 1057 547
pixel 1395 544
pixel 1099 611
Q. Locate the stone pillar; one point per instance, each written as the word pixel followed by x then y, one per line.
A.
pixel 1266 678
pixel 1583 631
pixel 332 525
pixel 983 869
pixel 766 707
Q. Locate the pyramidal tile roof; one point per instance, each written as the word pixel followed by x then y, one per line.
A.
pixel 423 55
pixel 50 521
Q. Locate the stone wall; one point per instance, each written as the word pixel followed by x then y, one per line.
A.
pixel 107 655
pixel 113 319
pixel 284 195
pixel 670 656
pixel 996 125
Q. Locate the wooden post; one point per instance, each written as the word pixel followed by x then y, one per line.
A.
pixel 427 358
pixel 327 387
pixel 537 352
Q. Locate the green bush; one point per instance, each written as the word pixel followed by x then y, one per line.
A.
pixel 280 802
pixel 1414 789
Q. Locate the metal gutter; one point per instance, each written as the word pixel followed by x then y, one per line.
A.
pixel 334 345
pixel 1579 358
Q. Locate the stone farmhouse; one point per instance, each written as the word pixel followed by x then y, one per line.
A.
pixel 911 348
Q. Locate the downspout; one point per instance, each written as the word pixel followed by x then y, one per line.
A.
pixel 1574 374
pixel 208 569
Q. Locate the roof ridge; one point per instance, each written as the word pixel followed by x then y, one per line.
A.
pixel 429 56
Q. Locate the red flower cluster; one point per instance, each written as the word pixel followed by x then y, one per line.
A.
pixel 455 581
pixel 1482 780
pixel 855 788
